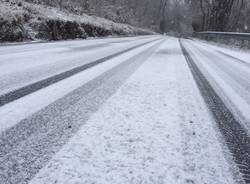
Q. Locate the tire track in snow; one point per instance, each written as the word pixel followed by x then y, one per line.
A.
pixel 236 137
pixel 28 146
pixel 234 58
pixel 31 88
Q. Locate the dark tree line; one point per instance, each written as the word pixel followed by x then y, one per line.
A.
pixel 166 15
pixel 219 15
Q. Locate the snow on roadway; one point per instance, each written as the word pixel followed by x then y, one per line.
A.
pixel 155 129
pixel 20 109
pixel 229 78
pixel 231 51
pixel 25 64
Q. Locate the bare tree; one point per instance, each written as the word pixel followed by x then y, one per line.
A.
pixel 166 15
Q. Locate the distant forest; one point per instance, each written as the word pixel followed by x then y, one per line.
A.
pixel 166 15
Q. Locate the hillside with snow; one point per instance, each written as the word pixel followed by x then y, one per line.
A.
pixel 22 21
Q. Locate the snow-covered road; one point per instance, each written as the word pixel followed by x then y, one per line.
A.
pixel 124 110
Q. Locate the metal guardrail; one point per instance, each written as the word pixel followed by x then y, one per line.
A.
pixel 230 35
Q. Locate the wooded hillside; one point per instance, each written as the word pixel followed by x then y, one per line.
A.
pixel 166 15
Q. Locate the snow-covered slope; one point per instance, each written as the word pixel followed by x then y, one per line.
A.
pixel 26 21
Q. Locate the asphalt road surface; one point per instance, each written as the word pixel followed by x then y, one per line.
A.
pixel 148 109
